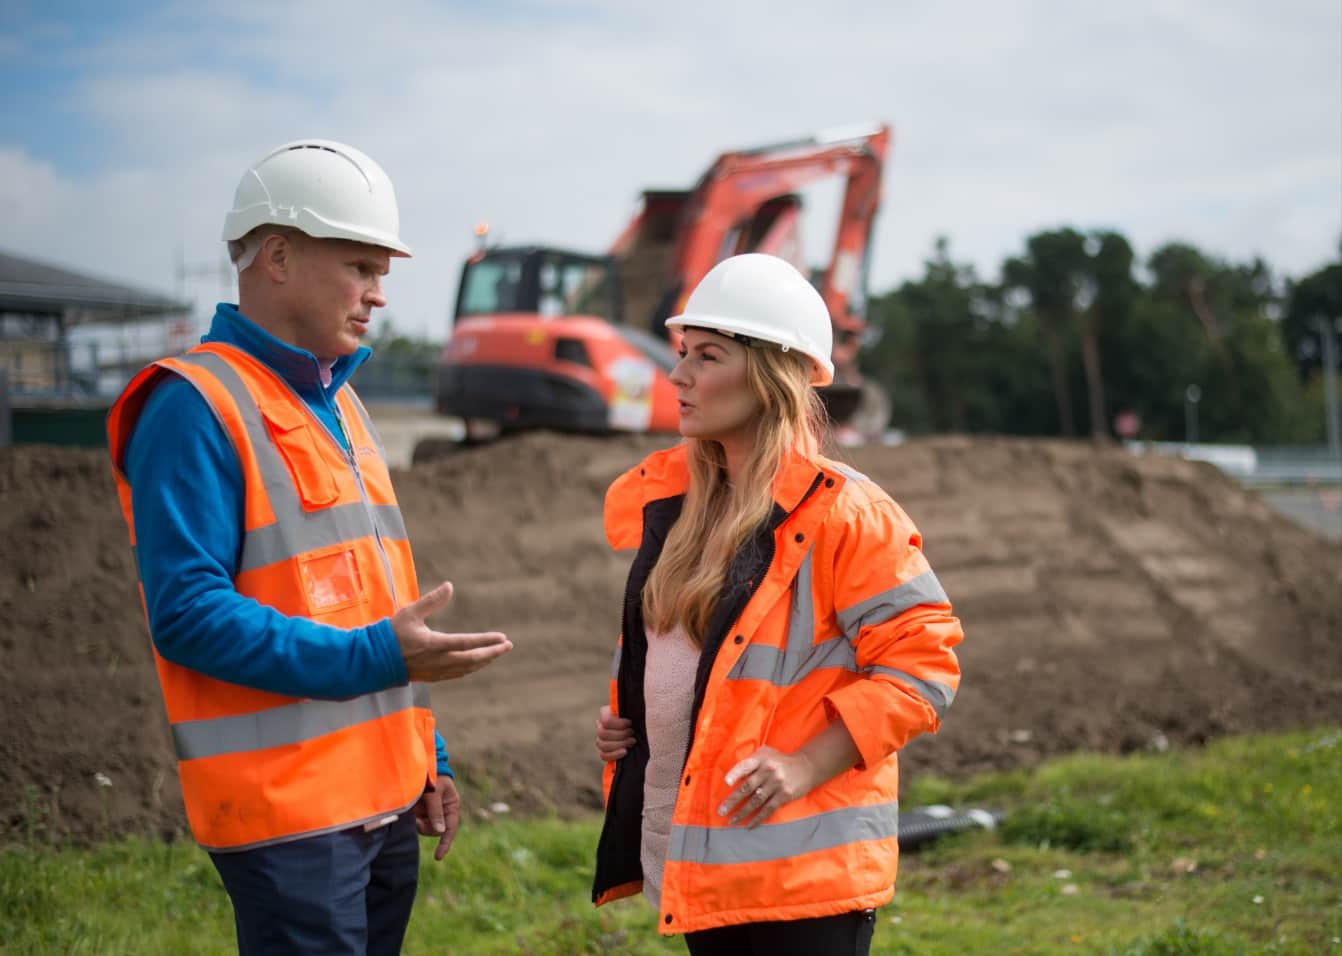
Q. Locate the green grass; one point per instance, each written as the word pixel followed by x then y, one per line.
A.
pixel 1232 849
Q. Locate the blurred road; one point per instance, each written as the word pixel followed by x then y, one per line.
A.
pixel 1318 509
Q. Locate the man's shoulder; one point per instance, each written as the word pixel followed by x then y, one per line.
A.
pixel 174 414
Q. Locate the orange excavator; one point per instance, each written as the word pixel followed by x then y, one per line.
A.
pixel 545 337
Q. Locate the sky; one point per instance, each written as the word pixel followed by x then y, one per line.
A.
pixel 127 126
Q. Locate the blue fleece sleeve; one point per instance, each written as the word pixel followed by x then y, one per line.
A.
pixel 187 489
pixel 440 748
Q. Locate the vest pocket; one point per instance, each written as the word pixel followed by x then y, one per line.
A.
pixel 331 580
pixel 296 440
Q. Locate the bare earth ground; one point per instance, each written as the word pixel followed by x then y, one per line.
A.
pixel 1110 603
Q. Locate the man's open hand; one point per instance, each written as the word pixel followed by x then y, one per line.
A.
pixel 433 655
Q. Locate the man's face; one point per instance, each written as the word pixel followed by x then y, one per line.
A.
pixel 335 285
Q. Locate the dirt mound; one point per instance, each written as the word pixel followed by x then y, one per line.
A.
pixel 1110 603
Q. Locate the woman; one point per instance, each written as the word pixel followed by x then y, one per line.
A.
pixel 782 638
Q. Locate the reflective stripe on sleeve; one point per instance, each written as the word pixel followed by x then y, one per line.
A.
pixel 776 841
pixel 291 723
pixel 801 656
pixel 888 605
pixel 938 695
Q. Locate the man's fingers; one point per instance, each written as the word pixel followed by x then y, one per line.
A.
pixel 449 834
pixel 464 662
pixel 442 641
pixel 431 602
pixel 435 808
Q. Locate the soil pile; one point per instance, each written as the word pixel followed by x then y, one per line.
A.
pixel 1110 603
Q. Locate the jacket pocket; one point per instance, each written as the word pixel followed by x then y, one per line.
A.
pixel 297 442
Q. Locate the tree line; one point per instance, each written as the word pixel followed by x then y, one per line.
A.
pixel 1078 337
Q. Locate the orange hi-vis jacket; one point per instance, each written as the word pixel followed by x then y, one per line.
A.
pixel 323 538
pixel 831 612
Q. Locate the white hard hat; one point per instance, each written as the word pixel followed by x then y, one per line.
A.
pixel 325 189
pixel 763 297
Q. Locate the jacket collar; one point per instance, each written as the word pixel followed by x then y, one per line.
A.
pixel 296 366
pixel 666 474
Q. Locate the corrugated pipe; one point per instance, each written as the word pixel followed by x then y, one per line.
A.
pixel 924 824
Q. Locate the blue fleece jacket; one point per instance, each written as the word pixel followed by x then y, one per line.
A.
pixel 188 491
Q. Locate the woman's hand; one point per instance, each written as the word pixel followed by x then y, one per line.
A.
pixel 769 778
pixel 765 781
pixel 614 735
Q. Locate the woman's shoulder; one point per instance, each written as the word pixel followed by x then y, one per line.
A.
pixel 663 474
pixel 860 498
pixel 666 468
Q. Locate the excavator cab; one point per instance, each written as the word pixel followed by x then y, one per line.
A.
pixel 538 342
pixel 538 280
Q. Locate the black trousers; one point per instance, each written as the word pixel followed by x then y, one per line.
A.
pixel 848 934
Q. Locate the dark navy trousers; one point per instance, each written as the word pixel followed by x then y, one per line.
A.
pixel 341 894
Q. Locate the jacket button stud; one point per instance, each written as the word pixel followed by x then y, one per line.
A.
pixel 687 779
pixel 799 537
pixel 738 639
pixel 829 482
pixel 668 919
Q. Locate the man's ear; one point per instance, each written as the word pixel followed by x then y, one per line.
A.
pixel 277 256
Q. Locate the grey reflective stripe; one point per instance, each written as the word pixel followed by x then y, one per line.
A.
pixel 852 474
pixel 800 654
pixel 307 531
pixel 760 662
pixel 295 530
pixel 290 723
pixel 886 606
pixel 366 419
pixel 776 841
pixel 615 662
pixel 389 522
pixel 937 694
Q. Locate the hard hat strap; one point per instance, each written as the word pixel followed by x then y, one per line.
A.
pixel 746 340
pixel 251 245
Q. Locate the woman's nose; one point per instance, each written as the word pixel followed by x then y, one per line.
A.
pixel 679 375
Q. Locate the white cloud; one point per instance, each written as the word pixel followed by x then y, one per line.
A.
pixel 1219 123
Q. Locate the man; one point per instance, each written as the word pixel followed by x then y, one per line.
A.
pixel 277 576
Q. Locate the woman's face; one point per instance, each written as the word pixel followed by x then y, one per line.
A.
pixel 716 401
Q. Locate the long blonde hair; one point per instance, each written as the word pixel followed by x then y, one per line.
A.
pixel 717 518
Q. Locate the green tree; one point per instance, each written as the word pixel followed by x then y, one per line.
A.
pixel 1317 295
pixel 1236 353
pixel 939 347
pixel 1080 287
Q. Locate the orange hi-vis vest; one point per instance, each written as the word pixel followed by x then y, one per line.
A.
pixel 323 539
pixel 831 613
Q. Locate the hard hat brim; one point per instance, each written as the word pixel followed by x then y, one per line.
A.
pixel 823 366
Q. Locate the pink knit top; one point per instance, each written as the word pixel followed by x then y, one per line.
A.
pixel 668 696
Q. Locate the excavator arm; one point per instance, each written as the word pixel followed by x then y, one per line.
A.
pixel 745 202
